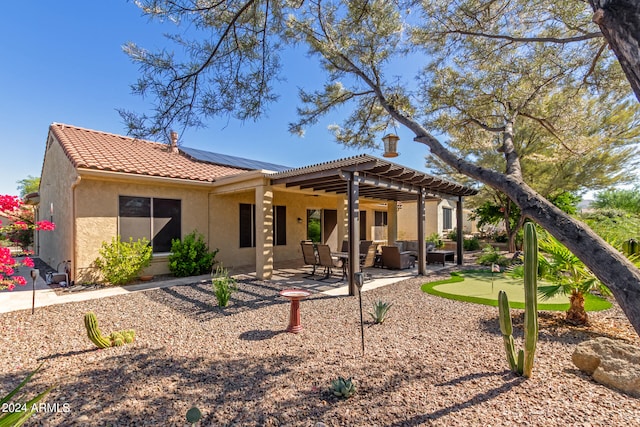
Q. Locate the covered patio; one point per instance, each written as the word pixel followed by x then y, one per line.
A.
pixel 369 177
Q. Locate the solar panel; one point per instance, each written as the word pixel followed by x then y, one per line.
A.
pixel 227 160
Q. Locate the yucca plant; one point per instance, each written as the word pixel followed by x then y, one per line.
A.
pixel 343 388
pixel 380 310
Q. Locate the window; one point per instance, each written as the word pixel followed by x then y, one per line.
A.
pixel 248 227
pixel 447 223
pixel 380 218
pixel 279 225
pixel 157 220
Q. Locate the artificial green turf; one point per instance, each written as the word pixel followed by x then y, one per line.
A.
pixel 476 287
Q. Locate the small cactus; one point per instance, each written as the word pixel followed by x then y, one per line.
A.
pixel 91 323
pixel 193 415
pixel 116 339
pixel 523 363
pixel 380 310
pixel 343 388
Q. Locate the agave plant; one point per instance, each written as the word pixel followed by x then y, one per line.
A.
pixel 343 388
pixel 380 310
pixel 569 277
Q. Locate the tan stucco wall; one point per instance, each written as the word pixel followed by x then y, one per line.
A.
pixel 225 223
pixel 97 216
pixel 58 176
pixel 407 222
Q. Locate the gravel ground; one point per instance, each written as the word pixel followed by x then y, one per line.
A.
pixel 433 362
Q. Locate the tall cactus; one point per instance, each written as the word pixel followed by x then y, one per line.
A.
pixel 523 365
pixel 95 335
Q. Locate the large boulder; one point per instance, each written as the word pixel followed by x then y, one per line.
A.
pixel 614 363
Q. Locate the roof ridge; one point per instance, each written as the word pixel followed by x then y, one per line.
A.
pixel 106 133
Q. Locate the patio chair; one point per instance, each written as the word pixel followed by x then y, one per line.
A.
pixel 345 246
pixel 327 261
pixel 309 256
pixel 369 258
pixel 393 258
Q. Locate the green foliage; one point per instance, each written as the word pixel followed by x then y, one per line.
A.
pixel 115 339
pixel 22 410
pixel 613 225
pixel 627 200
pixel 30 184
pixel 223 286
pixel 490 255
pixel 565 270
pixel 523 363
pixel 343 387
pixel 435 239
pixel 191 256
pixel 121 262
pixel 380 311
pixel 453 234
pixel 472 244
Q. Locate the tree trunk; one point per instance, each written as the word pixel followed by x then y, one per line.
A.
pixel 619 21
pixel 577 315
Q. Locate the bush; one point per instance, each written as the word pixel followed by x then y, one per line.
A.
pixel 223 286
pixel 435 239
pixel 191 256
pixel 491 256
pixel 453 234
pixel 121 262
pixel 472 244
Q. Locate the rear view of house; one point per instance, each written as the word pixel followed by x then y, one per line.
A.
pixel 97 185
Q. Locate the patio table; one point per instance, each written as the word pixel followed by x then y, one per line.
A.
pixel 440 256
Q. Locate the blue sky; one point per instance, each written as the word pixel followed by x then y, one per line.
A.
pixel 63 62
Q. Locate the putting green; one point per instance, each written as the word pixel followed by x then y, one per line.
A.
pixel 481 287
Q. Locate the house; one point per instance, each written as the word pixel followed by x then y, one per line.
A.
pixel 96 185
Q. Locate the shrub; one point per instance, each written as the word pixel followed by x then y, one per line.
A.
pixel 435 239
pixel 191 256
pixel 472 244
pixel 121 262
pixel 223 286
pixel 491 256
pixel 453 234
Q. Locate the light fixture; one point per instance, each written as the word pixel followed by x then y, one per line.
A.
pixel 390 145
pixel 299 220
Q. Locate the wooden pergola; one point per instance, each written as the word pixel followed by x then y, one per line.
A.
pixel 374 178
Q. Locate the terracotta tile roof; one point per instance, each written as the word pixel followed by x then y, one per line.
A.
pixel 92 149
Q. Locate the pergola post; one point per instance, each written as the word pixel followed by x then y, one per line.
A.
pixel 264 232
pixel 353 194
pixel 422 256
pixel 392 222
pixel 460 234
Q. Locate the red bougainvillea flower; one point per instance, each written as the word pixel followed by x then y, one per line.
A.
pixel 20 280
pixel 28 262
pixel 11 286
pixel 21 225
pixel 45 225
pixel 9 203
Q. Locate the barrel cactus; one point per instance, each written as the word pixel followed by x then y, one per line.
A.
pixel 343 388
pixel 523 363
pixel 115 339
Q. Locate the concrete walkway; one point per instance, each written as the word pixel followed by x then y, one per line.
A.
pixel 291 277
pixel 21 297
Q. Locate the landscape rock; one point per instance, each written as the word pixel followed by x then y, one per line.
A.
pixel 613 363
